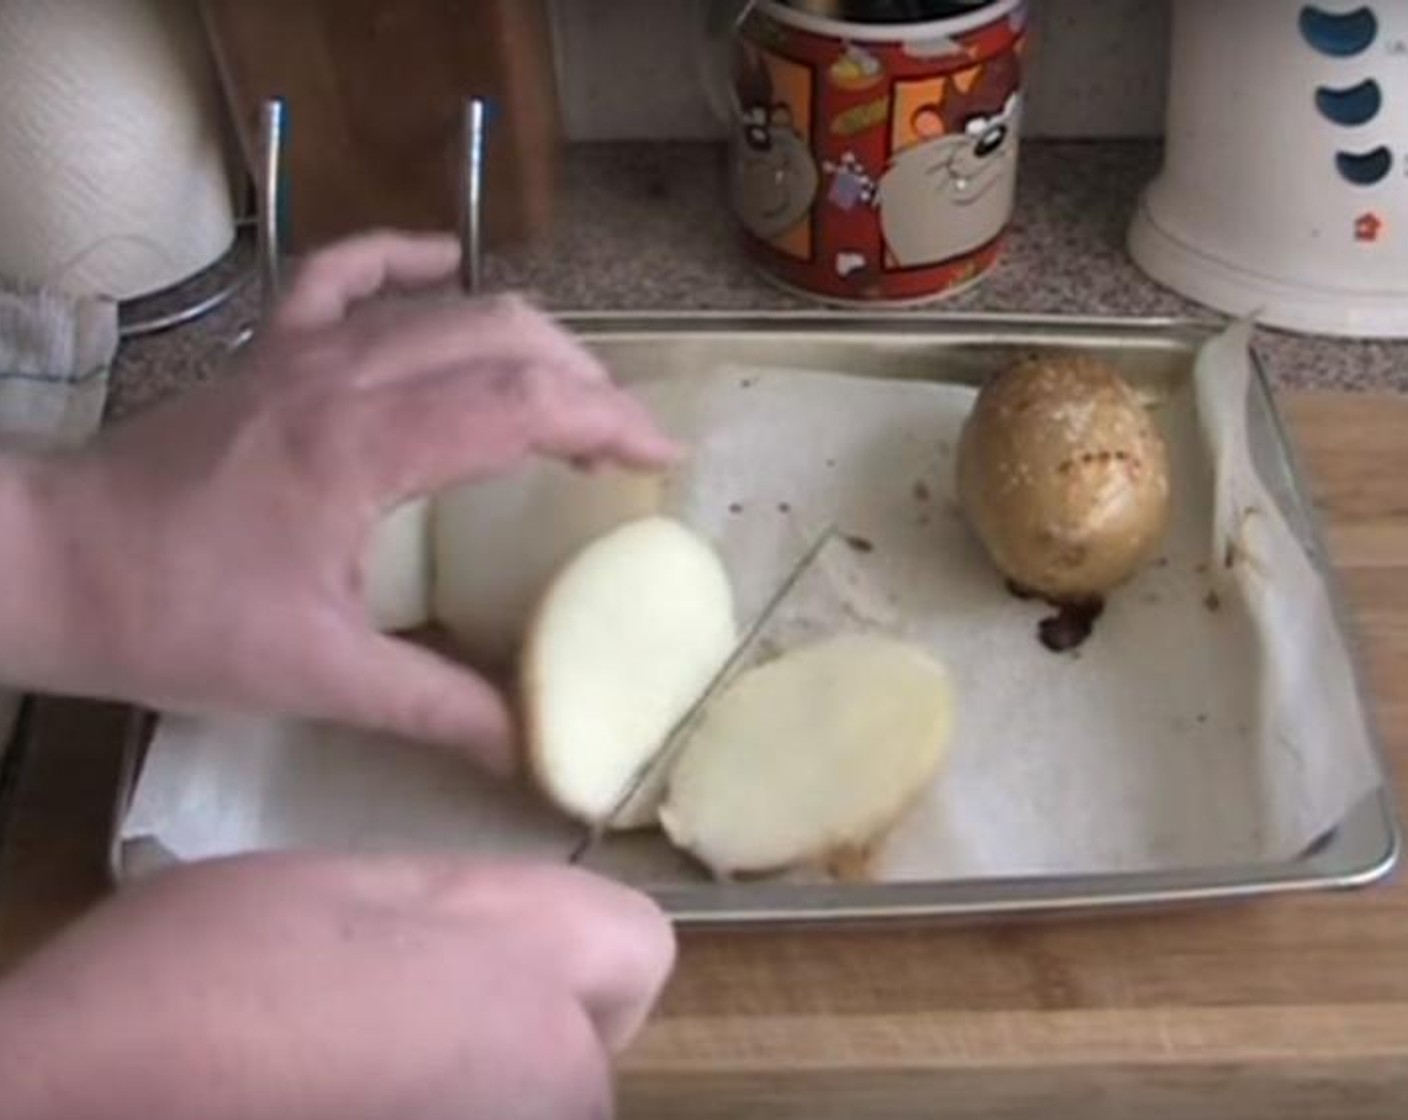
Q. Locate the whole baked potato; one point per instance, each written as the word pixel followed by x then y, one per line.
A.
pixel 1064 477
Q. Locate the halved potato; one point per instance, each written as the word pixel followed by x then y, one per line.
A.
pixel 397 569
pixel 811 757
pixel 496 544
pixel 625 640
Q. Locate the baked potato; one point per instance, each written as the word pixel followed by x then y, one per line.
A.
pixel 1064 477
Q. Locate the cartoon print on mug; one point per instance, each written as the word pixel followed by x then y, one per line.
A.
pixel 851 184
pixel 774 176
pixel 948 187
pixel 855 69
pixel 852 190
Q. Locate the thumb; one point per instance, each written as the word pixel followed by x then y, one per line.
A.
pixel 610 945
pixel 383 683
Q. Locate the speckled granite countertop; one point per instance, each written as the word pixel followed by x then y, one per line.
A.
pixel 642 227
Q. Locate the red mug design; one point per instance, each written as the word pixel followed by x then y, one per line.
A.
pixel 876 163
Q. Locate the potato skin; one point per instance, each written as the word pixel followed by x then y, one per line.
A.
pixel 1063 476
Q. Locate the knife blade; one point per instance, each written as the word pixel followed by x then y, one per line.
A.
pixel 678 735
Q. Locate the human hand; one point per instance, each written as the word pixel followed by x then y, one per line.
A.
pixel 310 987
pixel 210 554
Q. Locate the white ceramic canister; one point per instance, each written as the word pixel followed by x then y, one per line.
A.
pixel 1284 190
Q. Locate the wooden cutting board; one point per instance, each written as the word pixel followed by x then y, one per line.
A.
pixel 374 91
pixel 1278 1009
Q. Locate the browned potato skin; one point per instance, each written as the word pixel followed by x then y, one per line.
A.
pixel 1063 477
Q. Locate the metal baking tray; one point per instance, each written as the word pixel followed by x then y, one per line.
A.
pixel 1361 850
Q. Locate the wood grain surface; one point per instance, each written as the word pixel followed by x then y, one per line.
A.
pixel 1279 1008
pixel 374 90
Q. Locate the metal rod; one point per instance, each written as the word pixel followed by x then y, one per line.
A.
pixel 271 200
pixel 472 197
pixel 198 309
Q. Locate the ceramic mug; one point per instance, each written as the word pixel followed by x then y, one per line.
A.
pixel 875 163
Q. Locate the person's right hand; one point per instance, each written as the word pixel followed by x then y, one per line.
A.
pixel 331 988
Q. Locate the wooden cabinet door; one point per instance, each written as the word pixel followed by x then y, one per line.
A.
pixel 374 91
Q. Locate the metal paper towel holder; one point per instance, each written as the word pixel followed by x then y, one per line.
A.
pixel 272 212
pixel 268 219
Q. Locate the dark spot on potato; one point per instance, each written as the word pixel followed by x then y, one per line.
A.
pixel 735 507
pixel 922 493
pixel 860 544
pixel 1017 591
pixel 1213 601
pixel 784 507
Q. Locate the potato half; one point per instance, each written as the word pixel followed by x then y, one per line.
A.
pixel 397 569
pixel 811 756
pixel 1063 476
pixel 625 640
pixel 496 544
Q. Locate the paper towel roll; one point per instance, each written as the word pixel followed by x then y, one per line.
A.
pixel 114 177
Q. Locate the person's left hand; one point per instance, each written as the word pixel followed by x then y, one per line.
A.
pixel 209 555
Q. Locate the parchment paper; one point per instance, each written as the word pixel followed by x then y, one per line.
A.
pixel 1211 719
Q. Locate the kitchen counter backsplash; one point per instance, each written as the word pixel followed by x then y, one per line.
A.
pixel 633 69
pixel 644 227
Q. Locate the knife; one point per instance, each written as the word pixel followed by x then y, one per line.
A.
pixel 669 749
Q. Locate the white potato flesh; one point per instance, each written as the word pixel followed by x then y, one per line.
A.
pixel 816 753
pixel 397 571
pixel 497 543
pixel 626 639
